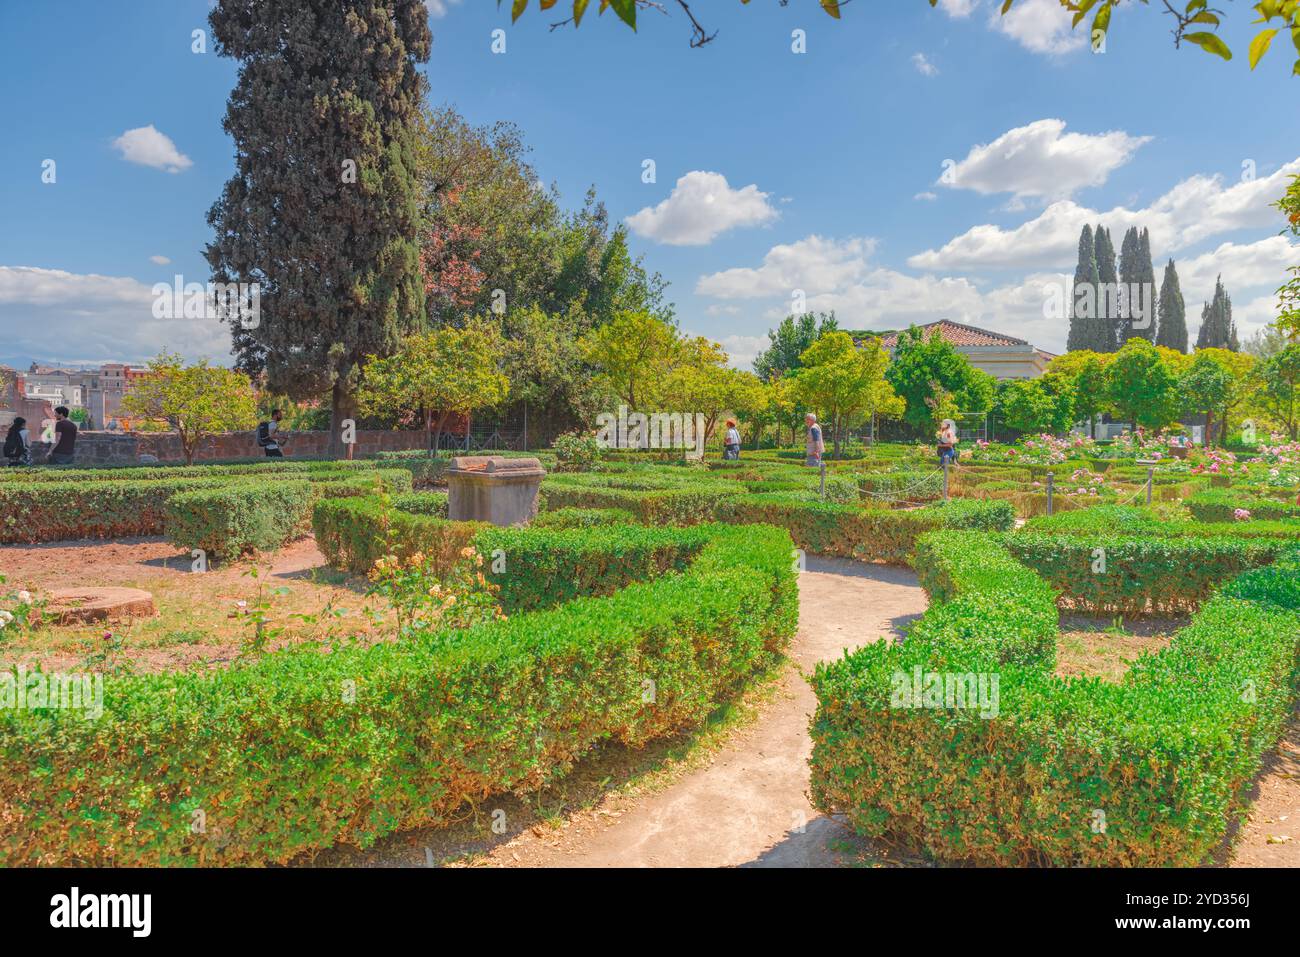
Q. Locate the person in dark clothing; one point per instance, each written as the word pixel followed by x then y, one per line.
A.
pixel 266 435
pixel 18 443
pixel 65 438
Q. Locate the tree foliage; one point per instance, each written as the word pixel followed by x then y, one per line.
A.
pixel 843 382
pixel 195 400
pixel 322 210
pixel 438 374
pixel 934 379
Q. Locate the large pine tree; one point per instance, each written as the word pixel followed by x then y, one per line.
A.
pixel 1172 331
pixel 1083 308
pixel 323 208
pixel 1218 331
pixel 1107 335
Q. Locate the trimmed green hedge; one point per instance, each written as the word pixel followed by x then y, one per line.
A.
pixel 1219 505
pixel 861 532
pixel 232 520
pixel 50 511
pixel 124 473
pixel 582 517
pixel 1141 574
pixel 542 567
pixel 1150 771
pixel 354 533
pixel 301 750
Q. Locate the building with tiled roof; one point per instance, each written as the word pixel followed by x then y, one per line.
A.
pixel 1003 357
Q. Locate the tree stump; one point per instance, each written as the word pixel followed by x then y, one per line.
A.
pixel 72 606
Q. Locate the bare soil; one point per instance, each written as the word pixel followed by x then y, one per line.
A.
pixel 200 621
pixel 1098 647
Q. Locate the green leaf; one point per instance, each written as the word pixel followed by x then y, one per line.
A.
pixel 1259 45
pixel 626 10
pixel 517 9
pixel 579 8
pixel 1211 43
pixel 832 7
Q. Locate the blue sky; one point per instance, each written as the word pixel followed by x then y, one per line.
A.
pixel 822 171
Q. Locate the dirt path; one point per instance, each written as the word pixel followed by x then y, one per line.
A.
pixel 748 805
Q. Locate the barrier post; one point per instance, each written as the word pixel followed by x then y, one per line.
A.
pixel 1150 478
pixel 945 480
pixel 1051 478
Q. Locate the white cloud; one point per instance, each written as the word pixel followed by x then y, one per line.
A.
pixel 1196 209
pixel 160 260
pixel 440 8
pixel 700 208
pixel 1041 160
pixel 813 265
pixel 147 146
pixel 958 9
pixel 1041 26
pixel 46 313
pixel 838 275
pixel 743 350
pixel 926 196
pixel 923 65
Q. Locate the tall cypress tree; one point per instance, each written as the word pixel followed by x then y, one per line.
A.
pixel 1146 280
pixel 1129 270
pixel 323 208
pixel 1083 302
pixel 1172 331
pixel 1107 334
pixel 1218 331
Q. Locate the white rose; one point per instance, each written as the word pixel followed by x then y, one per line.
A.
pixel 6 616
pixel 25 597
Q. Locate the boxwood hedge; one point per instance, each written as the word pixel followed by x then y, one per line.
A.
pixel 231 520
pixel 1149 771
pixel 50 511
pixel 302 750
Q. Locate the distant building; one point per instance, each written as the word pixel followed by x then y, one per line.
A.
pixel 99 392
pixel 1003 357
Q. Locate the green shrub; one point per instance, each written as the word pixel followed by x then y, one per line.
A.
pixel 582 517
pixel 232 520
pixel 542 567
pixel 1141 574
pixel 1219 505
pixel 50 511
pixel 422 503
pixel 353 533
pixel 1150 771
pixel 861 532
pixel 300 750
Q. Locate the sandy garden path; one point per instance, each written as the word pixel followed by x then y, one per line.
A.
pixel 748 804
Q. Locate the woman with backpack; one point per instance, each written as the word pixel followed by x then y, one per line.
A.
pixel 18 443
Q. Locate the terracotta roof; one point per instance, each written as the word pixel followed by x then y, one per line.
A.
pixel 958 334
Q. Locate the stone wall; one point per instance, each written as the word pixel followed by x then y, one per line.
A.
pixel 125 448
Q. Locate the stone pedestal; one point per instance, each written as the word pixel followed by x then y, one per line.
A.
pixel 490 488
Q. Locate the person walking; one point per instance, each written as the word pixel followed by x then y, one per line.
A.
pixel 266 440
pixel 731 442
pixel 18 443
pixel 814 446
pixel 65 438
pixel 947 441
